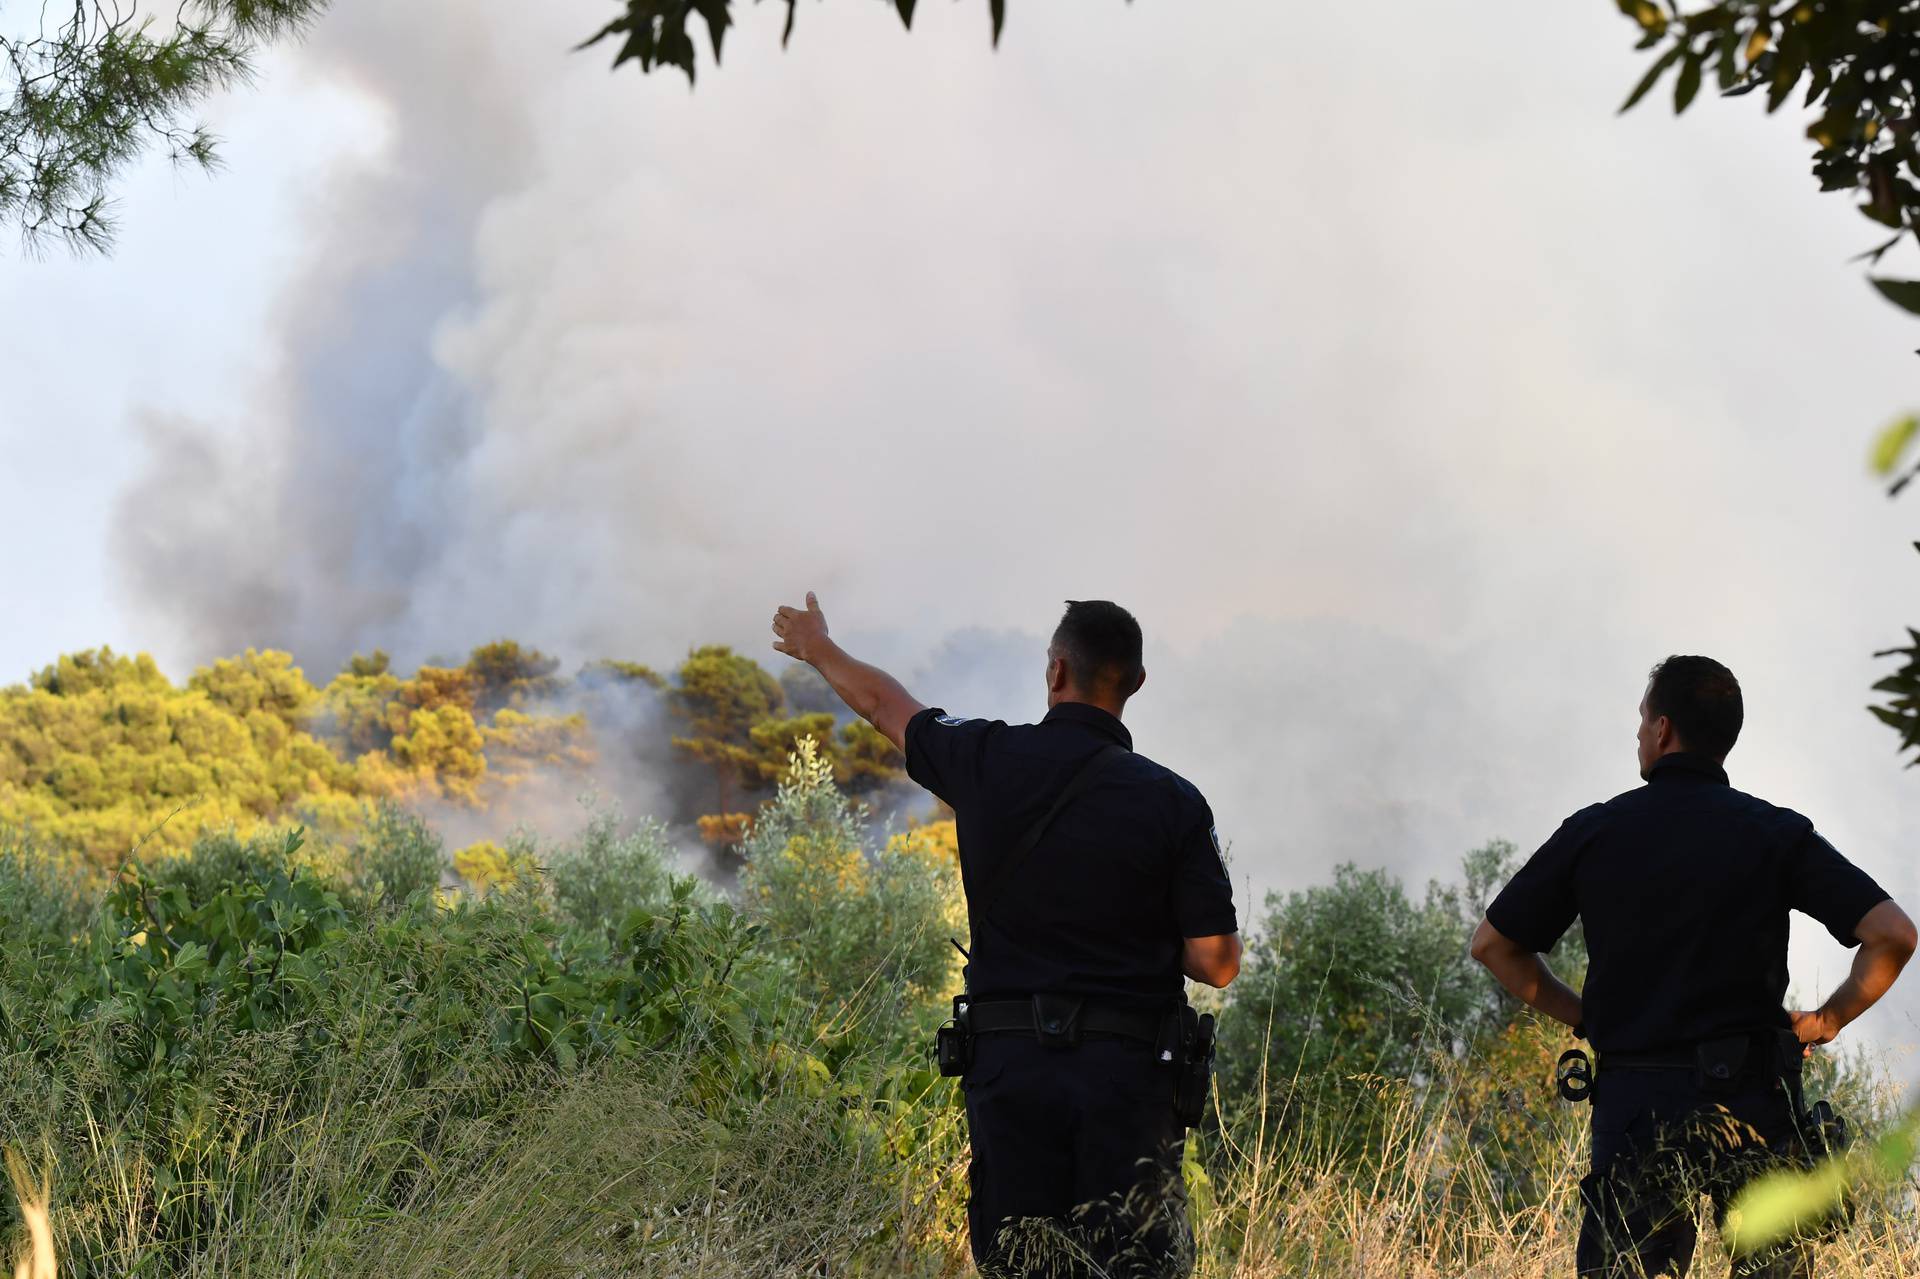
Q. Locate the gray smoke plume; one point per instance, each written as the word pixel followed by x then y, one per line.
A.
pixel 1415 402
pixel 306 522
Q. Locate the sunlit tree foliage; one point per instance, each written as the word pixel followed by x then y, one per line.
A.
pixel 100 751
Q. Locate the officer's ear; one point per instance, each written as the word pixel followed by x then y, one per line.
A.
pixel 1056 673
pixel 1138 681
pixel 1666 736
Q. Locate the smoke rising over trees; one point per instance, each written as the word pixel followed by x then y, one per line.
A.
pixel 1391 576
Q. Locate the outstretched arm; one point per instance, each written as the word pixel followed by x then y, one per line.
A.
pixel 1886 944
pixel 868 691
pixel 1525 974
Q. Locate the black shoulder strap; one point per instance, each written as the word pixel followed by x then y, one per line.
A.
pixel 983 902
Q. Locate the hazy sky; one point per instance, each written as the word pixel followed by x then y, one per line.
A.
pixel 1414 401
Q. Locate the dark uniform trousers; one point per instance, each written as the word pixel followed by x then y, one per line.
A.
pixel 1076 1161
pixel 1660 1141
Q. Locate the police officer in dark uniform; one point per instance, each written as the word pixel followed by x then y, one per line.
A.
pixel 1683 887
pixel 1094 884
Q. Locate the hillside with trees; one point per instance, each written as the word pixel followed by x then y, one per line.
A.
pixel 101 753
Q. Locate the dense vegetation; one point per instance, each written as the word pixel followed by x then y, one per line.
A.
pixel 290 1055
pixel 257 1048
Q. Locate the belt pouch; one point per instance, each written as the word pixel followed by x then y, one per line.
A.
pixel 953 1042
pixel 1056 1020
pixel 1718 1064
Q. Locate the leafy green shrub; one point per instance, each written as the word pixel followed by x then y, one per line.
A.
pixel 216 859
pixel 684 978
pixel 603 875
pixel 258 1059
pixel 240 1057
pixel 397 856
pixel 1354 982
pixel 178 948
pixel 857 925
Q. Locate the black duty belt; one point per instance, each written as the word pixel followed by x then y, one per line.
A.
pixel 1717 1059
pixel 1070 1018
pixel 1672 1059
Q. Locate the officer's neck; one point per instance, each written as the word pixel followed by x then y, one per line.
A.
pixel 1107 704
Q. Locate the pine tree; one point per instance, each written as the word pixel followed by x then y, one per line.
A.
pixel 98 83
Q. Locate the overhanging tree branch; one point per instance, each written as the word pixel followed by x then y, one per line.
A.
pixel 87 94
pixel 653 33
pixel 1859 61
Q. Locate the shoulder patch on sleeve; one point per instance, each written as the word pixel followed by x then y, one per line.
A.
pixel 1213 833
pixel 953 721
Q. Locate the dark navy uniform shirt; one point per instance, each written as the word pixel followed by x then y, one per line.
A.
pixel 1683 888
pixel 1101 904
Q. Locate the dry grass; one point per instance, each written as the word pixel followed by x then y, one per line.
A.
pixel 1426 1202
pixel 613 1174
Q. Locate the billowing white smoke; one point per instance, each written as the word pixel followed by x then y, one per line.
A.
pixel 610 365
pixel 310 517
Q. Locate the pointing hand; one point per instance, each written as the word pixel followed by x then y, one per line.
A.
pixel 802 633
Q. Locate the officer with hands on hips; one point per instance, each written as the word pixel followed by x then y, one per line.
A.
pixel 1683 887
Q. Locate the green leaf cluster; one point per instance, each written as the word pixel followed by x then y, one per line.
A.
pixel 1859 61
pixel 598 877
pixel 1899 708
pixel 167 961
pixel 673 977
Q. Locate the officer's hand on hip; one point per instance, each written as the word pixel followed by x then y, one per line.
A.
pixel 802 633
pixel 1813 1028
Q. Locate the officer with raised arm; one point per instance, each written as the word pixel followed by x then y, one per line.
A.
pixel 1683 888
pixel 1094 884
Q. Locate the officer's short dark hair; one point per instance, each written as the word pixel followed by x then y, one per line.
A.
pixel 1100 643
pixel 1702 699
